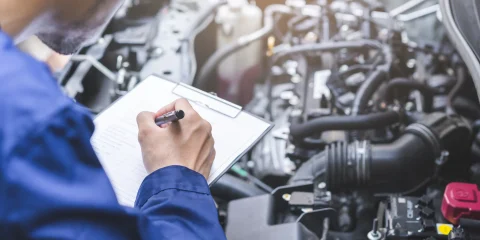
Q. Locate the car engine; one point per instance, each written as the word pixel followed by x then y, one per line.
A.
pixel 376 128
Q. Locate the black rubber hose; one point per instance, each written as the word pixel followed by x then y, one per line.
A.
pixel 399 165
pixel 230 188
pixel 211 64
pixel 366 91
pixel 309 170
pixel 312 143
pixel 392 167
pixel 373 82
pixel 361 122
pixel 466 107
pixel 408 84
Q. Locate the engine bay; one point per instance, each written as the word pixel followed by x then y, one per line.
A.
pixel 376 127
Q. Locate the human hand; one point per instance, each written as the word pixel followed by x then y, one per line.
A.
pixel 187 143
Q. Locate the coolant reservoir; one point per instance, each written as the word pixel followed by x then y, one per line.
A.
pixel 238 72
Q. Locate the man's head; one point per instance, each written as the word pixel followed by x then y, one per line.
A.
pixel 64 25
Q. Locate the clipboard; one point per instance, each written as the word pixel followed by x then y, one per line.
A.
pixel 207 100
pixel 116 144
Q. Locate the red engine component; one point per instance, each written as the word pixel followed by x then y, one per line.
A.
pixel 461 200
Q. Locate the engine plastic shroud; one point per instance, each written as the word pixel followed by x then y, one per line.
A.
pixel 252 218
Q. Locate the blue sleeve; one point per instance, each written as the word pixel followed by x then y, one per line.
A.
pixel 55 188
pixel 178 199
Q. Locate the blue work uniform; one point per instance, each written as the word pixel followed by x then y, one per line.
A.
pixel 52 185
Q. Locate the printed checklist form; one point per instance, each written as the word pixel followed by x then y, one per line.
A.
pixel 116 143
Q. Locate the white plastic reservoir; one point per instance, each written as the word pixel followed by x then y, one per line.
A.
pixel 238 72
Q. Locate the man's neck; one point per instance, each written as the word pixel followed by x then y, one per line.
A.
pixel 18 18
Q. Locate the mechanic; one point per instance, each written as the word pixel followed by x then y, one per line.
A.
pixel 52 185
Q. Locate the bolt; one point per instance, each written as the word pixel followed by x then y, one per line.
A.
pixel 450 71
pixel 343 68
pixel 411 63
pixel 119 61
pixel 157 52
pixel 375 226
pixel 296 113
pixel 294 101
pixel 311 37
pixel 291 67
pixel 296 78
pixel 287 95
pixel 409 106
pixel 374 234
pixel 443 158
pixel 306 210
pixel 348 111
pixel 383 105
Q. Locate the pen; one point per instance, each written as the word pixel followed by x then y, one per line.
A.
pixel 169 117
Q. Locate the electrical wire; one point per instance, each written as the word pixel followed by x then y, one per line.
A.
pixel 461 75
pixel 191 51
pixel 242 173
pixel 189 63
pixel 326 226
pixel 211 64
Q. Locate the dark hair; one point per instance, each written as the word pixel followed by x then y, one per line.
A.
pixel 92 10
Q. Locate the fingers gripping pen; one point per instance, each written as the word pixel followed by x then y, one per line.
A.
pixel 169 117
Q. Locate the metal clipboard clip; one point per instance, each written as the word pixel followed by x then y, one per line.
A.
pixel 207 100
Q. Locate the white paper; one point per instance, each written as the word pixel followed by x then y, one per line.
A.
pixel 115 138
